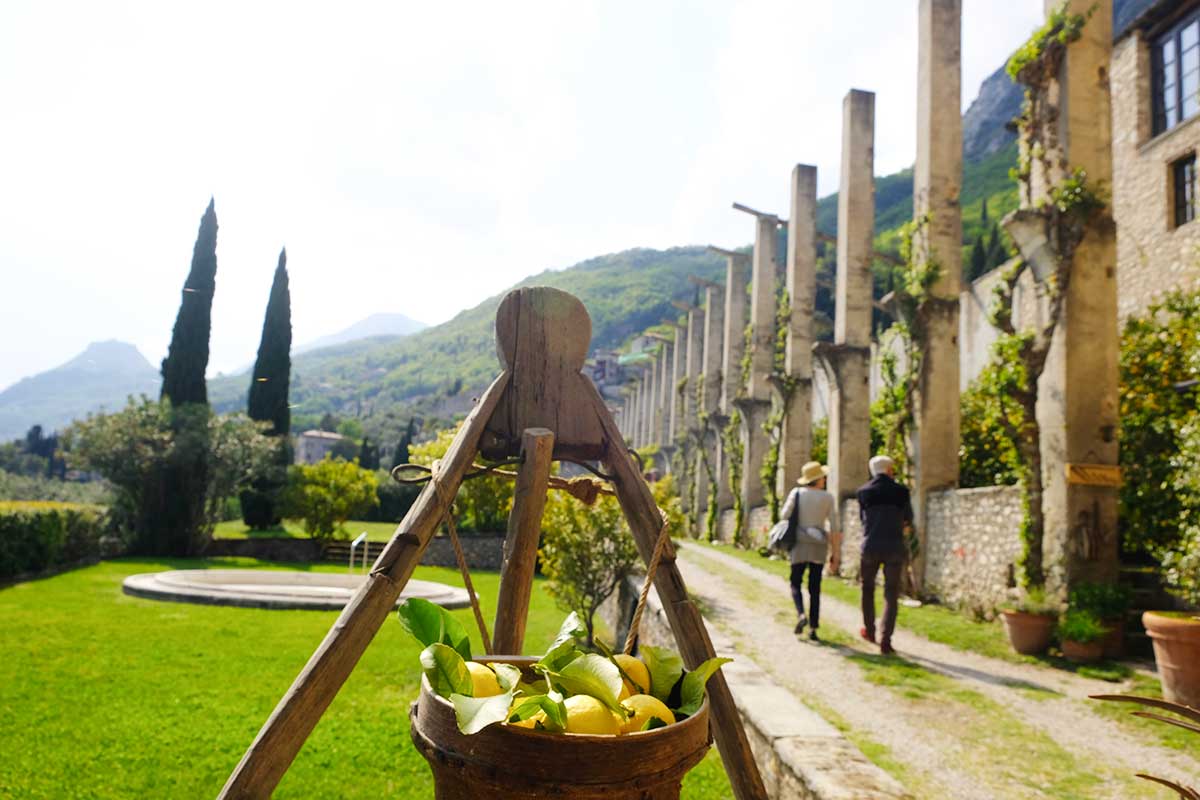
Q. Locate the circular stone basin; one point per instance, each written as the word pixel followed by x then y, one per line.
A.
pixel 262 588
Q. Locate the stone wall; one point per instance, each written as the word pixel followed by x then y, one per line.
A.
pixel 483 551
pixel 971 545
pixel 1153 255
pixel 758 525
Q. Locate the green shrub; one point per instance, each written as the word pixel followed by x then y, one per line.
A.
pixel 35 536
pixel 326 494
pixel 1034 601
pixel 1078 625
pixel 1105 600
pixel 482 503
pixel 35 487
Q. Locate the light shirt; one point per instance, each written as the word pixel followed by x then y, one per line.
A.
pixel 816 510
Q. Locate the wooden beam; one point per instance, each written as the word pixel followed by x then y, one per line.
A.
pixel 691 636
pixel 521 542
pixel 754 212
pixel 705 282
pixel 276 745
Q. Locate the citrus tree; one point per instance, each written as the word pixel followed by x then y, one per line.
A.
pixel 326 494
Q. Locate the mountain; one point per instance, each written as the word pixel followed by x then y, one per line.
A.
pixel 375 325
pixel 436 370
pixel 99 378
pixel 985 125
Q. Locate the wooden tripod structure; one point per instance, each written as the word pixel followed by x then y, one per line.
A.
pixel 540 405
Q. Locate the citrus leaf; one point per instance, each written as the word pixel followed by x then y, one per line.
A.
pixel 692 693
pixel 551 705
pixel 665 668
pixel 592 675
pixel 565 647
pixel 473 714
pixel 429 624
pixel 446 670
pixel 507 675
pixel 653 723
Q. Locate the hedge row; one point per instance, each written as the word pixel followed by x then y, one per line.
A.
pixel 38 535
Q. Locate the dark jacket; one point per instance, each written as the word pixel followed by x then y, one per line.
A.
pixel 884 507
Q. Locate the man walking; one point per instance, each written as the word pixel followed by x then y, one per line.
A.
pixel 886 511
pixel 810 509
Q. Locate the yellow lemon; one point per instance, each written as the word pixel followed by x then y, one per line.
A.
pixel 483 680
pixel 586 714
pixel 644 707
pixel 636 670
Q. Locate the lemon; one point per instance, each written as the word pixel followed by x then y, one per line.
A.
pixel 586 714
pixel 483 680
pixel 636 670
pixel 644 707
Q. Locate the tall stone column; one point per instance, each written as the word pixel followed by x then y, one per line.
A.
pixel 687 428
pixel 709 393
pixel 655 394
pixel 937 183
pixel 737 274
pixel 664 390
pixel 801 277
pixel 1077 407
pixel 756 404
pixel 635 412
pixel 847 361
pixel 647 405
pixel 678 367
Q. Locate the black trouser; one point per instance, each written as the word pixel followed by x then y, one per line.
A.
pixel 893 566
pixel 814 591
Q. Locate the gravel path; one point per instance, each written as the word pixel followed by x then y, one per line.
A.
pixel 948 755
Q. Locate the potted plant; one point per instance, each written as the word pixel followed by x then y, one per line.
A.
pixel 1030 623
pixel 1176 634
pixel 1110 603
pixel 1082 636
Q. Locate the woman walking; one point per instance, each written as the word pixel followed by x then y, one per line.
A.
pixel 811 511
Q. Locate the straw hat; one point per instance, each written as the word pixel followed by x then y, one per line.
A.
pixel 812 472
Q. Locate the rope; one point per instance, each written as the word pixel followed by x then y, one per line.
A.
pixel 659 547
pixel 466 575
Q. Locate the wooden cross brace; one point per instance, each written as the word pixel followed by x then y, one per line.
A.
pixel 543 406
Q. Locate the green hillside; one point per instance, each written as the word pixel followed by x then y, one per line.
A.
pixel 625 293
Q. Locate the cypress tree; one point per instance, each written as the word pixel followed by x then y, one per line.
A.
pixel 996 254
pixel 368 455
pixel 978 264
pixel 187 358
pixel 983 212
pixel 401 454
pixel 268 399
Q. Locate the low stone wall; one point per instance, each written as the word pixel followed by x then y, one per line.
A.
pixel 972 545
pixel 275 549
pixel 758 525
pixel 483 551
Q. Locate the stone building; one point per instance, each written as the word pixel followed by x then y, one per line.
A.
pixel 312 446
pixel 1155 85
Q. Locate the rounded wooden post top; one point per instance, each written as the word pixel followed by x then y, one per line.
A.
pixel 544 321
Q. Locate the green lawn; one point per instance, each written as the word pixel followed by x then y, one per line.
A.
pixel 110 696
pixel 936 622
pixel 291 528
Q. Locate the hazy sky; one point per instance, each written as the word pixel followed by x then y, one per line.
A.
pixel 413 157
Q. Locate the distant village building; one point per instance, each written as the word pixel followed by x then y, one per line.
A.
pixel 313 446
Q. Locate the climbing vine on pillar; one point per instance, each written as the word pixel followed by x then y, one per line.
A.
pixel 785 387
pixel 735 450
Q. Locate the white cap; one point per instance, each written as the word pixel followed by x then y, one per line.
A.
pixel 880 464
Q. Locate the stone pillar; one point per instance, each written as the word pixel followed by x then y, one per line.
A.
pixel 654 416
pixel 695 355
pixel 639 415
pixel 647 405
pixel 736 278
pixel 756 405
pixel 710 393
pixel 678 366
pixel 801 277
pixel 937 183
pixel 664 392
pixel 1077 406
pixel 847 361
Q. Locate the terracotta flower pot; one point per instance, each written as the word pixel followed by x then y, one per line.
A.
pixel 1028 633
pixel 1083 652
pixel 1114 640
pixel 1177 652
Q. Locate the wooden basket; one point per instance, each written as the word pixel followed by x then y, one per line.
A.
pixel 510 762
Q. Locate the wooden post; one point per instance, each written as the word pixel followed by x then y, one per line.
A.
pixel 313 690
pixel 688 626
pixel 521 542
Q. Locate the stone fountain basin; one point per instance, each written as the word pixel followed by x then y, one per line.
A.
pixel 278 589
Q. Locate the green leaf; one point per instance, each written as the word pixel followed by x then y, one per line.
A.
pixel 692 693
pixel 508 676
pixel 565 647
pixel 665 667
pixel 473 714
pixel 652 723
pixel 446 670
pixel 593 675
pixel 550 704
pixel 429 624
